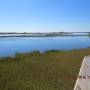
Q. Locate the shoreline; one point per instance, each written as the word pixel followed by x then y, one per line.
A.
pixel 39 52
pixel 42 36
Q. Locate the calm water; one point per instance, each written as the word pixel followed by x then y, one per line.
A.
pixel 9 46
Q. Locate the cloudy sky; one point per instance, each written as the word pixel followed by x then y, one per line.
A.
pixel 44 15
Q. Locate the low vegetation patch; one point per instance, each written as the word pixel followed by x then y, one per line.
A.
pixel 50 70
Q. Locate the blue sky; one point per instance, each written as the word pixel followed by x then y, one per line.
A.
pixel 44 15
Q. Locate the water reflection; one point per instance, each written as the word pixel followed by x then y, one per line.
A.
pixel 9 46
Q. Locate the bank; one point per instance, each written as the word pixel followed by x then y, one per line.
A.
pixel 50 70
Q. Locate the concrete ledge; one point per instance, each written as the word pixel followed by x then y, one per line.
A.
pixel 83 80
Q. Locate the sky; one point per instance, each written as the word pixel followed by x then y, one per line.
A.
pixel 44 15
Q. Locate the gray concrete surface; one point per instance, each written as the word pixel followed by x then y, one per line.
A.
pixel 83 80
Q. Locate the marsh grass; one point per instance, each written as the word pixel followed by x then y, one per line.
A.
pixel 50 70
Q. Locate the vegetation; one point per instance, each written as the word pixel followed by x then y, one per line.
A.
pixel 43 34
pixel 50 70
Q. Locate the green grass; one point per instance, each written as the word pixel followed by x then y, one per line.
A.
pixel 50 70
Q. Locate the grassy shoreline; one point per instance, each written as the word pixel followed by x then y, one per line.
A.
pixel 50 70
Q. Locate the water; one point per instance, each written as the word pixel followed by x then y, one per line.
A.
pixel 9 46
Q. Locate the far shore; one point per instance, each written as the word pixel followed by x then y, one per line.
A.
pixel 41 36
pixel 44 34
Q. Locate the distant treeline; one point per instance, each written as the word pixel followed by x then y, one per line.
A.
pixel 44 34
pixel 39 32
